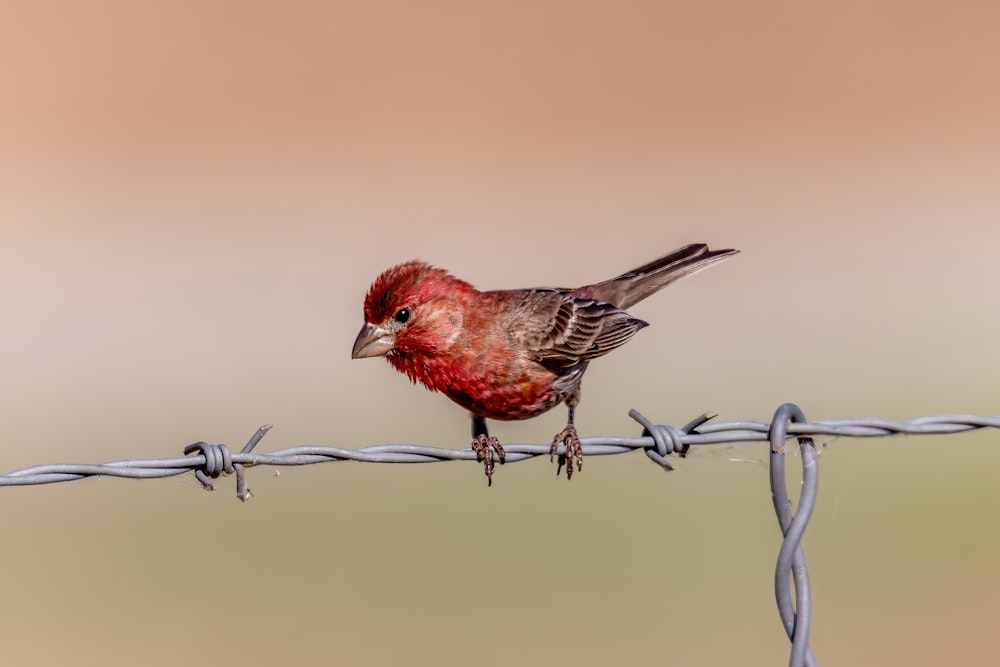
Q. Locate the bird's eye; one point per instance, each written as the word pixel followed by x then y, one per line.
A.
pixel 402 315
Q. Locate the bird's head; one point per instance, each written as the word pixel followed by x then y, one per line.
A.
pixel 411 308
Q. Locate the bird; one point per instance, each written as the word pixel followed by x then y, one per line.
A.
pixel 509 354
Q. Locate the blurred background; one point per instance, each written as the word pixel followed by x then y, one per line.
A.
pixel 195 196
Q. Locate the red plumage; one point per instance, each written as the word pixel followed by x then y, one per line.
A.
pixel 508 354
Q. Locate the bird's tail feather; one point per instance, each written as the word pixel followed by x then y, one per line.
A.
pixel 635 285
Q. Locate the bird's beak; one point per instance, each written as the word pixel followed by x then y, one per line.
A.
pixel 372 341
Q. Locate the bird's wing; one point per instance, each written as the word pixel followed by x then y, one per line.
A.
pixel 559 330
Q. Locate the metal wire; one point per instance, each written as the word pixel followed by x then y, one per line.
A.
pixel 791 557
pixel 658 441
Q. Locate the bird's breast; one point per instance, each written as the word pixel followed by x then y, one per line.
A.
pixel 492 385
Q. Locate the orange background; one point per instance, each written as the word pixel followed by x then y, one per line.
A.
pixel 194 198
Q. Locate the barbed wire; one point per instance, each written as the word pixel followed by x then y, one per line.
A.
pixel 658 441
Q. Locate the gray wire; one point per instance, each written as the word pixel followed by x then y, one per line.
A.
pixel 658 441
pixel 791 564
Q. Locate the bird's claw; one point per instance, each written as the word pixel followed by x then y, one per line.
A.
pixel 573 452
pixel 484 446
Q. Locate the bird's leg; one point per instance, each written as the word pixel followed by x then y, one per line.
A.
pixel 573 452
pixel 484 446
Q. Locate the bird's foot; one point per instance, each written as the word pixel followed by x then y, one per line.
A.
pixel 484 446
pixel 573 452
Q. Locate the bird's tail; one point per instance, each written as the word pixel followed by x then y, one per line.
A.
pixel 635 285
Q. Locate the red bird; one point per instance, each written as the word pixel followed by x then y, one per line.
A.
pixel 509 354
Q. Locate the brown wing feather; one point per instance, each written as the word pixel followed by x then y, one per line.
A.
pixel 560 330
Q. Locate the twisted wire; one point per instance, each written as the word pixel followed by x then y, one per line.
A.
pixel 659 441
pixel 791 565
